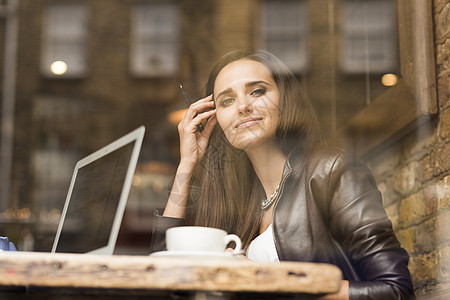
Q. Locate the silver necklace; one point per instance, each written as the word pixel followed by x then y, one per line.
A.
pixel 266 203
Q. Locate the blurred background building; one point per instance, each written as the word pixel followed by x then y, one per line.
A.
pixel 77 74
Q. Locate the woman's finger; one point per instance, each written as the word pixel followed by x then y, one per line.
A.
pixel 196 120
pixel 199 106
pixel 190 127
pixel 210 125
pixel 201 103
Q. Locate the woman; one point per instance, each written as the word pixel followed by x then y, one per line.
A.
pixel 258 169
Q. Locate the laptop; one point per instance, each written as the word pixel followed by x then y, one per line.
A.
pixel 97 197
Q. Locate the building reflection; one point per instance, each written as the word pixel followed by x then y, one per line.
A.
pixel 90 71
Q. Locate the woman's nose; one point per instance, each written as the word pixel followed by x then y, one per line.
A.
pixel 245 106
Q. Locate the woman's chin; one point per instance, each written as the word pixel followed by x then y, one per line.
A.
pixel 246 143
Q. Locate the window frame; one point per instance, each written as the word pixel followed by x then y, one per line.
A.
pixel 408 104
pixel 265 32
pixel 48 42
pixel 136 41
pixel 385 33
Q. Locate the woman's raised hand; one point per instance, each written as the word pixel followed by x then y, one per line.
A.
pixel 192 141
pixel 192 147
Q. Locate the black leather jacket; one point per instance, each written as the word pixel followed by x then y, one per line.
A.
pixel 329 210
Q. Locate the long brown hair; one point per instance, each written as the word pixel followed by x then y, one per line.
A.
pixel 225 191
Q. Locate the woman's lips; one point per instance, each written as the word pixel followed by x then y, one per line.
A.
pixel 248 122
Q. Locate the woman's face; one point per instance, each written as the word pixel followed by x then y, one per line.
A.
pixel 247 104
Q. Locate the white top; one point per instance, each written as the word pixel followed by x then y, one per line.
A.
pixel 262 248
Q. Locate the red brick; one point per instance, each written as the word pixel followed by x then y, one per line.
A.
pixel 442 26
pixel 390 195
pixel 440 159
pixel 407 238
pixel 426 236
pixel 438 5
pixel 444 264
pixel 392 212
pixel 412 209
pixel 442 79
pixel 425 169
pixel 430 199
pixel 405 180
pixel 443 193
pixel 444 124
pixel 443 226
pixel 424 268
pixel 395 183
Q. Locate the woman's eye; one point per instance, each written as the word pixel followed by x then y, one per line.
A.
pixel 258 92
pixel 226 102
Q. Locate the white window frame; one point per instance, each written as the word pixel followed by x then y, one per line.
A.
pixel 64 38
pixel 368 30
pixel 286 35
pixel 155 39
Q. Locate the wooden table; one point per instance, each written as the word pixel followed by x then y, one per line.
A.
pixel 83 276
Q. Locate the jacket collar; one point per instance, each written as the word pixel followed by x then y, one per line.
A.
pixel 294 160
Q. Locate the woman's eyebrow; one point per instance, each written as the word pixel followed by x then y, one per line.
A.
pixel 252 83
pixel 248 84
pixel 228 90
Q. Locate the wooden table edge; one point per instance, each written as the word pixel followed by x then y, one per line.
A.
pixel 164 273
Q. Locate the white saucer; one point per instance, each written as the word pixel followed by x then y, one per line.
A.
pixel 197 254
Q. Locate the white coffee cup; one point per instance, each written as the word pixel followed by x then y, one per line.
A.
pixel 197 238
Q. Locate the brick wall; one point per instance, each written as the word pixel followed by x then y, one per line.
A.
pixel 414 176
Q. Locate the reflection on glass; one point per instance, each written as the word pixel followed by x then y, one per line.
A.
pixel 351 45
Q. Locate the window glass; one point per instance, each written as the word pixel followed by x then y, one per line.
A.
pixel 368 36
pixel 64 40
pixel 155 39
pixel 284 28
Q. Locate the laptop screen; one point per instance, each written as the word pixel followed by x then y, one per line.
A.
pixel 95 197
